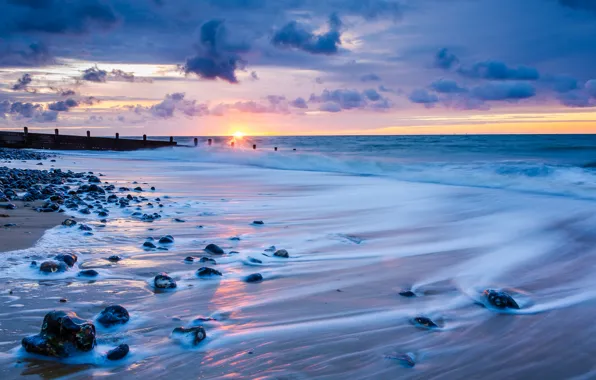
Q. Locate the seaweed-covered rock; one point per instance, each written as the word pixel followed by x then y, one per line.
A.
pixel 168 239
pixel 113 315
pixel 208 272
pixel 255 277
pixel 118 353
pixel 62 334
pixel 69 223
pixel 194 334
pixel 52 266
pixel 500 300
pixel 67 258
pixel 214 249
pixel 163 281
pixel 281 253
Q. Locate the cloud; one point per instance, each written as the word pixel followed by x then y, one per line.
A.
pixel 35 54
pixel 122 76
pixel 563 83
pixel 591 87
pixel 445 60
pixel 346 99
pixel 496 70
pixel 254 75
pixel 294 35
pixel 587 5
pixel 372 94
pixel 370 78
pixel 447 86
pixel 176 102
pixel 66 92
pixel 94 74
pixel 330 107
pixel 577 99
pixel 216 57
pixel 31 111
pixel 63 105
pixel 504 91
pixel 22 82
pixel 422 96
pixel 299 103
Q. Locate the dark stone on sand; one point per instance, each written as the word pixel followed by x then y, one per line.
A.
pixel 138 188
pixel 114 258
pixel 282 253
pixel 208 260
pixel 88 273
pixel 85 211
pixel 103 214
pixel 255 277
pixel 168 239
pixel 149 245
pixel 424 322
pixel 62 334
pixel 255 261
pixel 500 300
pixel 69 223
pixel 163 281
pixel 63 300
pixel 84 227
pixel 67 258
pixel 214 249
pixel 52 266
pixel 258 222
pixel 407 293
pixel 153 188
pixel 208 272
pixel 196 334
pixel 189 259
pixel 118 353
pixel 94 179
pixel 235 238
pixel 178 220
pixel 113 315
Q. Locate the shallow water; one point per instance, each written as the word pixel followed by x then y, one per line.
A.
pixel 332 310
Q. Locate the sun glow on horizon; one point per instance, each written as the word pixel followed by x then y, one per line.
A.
pixel 238 135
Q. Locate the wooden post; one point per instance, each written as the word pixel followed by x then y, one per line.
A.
pixel 171 139
pixel 144 137
pixel 56 131
pixel 196 141
pixel 26 131
pixel 210 141
pixel 275 149
pixel 117 135
pixel 26 135
pixel 254 146
pixel 88 133
pixel 56 146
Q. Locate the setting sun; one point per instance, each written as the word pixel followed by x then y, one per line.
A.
pixel 238 135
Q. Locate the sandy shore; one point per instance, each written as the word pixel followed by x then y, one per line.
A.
pixel 30 226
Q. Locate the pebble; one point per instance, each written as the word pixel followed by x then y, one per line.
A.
pixel 255 277
pixel 214 249
pixel 118 353
pixel 163 281
pixel 208 272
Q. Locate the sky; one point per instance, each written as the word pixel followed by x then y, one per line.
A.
pixel 298 67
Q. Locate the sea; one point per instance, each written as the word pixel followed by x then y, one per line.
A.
pixel 363 218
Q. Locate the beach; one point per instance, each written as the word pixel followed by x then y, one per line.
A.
pixel 332 308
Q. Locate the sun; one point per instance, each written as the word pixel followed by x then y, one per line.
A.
pixel 239 135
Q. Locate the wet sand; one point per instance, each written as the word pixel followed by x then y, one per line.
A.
pixel 30 226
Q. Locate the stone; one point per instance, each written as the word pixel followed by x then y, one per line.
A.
pixel 94 179
pixel 214 249
pixel 407 360
pixel 189 259
pixel 195 334
pixel 282 253
pixel 118 353
pixel 254 261
pixel 102 214
pixel 149 245
pixel 208 272
pixel 258 222
pixel 114 258
pixel 69 223
pixel 208 260
pixel 500 300
pixel 407 293
pixel 425 322
pixel 255 277
pixel 52 266
pixel 178 220
pixel 163 281
pixel 113 315
pixel 88 273
pixel 168 239
pixel 62 335
pixel 84 227
pixel 68 258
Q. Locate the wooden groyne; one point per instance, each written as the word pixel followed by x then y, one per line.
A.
pixel 66 142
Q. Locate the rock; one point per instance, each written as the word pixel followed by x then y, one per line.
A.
pixel 208 260
pixel 258 222
pixel 153 188
pixel 178 220
pixel 407 293
pixel 94 179
pixel 52 267
pixel 118 353
pixel 63 300
pixel 214 249
pixel 33 264
pixel 149 245
pixel 500 300
pixel 163 281
pixel 195 334
pixel 8 206
pixel 425 322
pixel 208 272
pixel 84 227
pixel 407 360
pixel 85 211
pixel 68 258
pixel 88 273
pixel 69 223
pixel 282 253
pixel 102 214
pixel 255 261
pixel 255 277
pixel 189 259
pixel 138 188
pixel 114 258
pixel 113 315
pixel 62 334
pixel 168 239
pixel 270 249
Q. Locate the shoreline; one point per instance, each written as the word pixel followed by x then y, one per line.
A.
pixel 30 226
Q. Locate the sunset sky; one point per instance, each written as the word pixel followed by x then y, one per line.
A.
pixel 295 67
